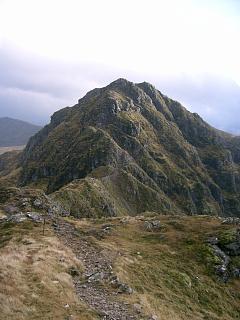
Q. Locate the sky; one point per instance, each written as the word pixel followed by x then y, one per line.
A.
pixel 54 51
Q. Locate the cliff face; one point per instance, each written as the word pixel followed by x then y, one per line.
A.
pixel 127 148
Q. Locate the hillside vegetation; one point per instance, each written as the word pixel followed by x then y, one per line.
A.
pixel 171 269
pixel 127 148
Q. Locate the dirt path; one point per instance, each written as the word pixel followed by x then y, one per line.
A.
pixel 98 269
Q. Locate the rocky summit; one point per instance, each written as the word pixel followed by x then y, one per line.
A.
pixel 127 148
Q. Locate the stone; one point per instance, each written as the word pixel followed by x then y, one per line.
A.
pixel 124 288
pixel 106 227
pixel 98 276
pixel 236 273
pixel 37 203
pixel 114 281
pixel 153 225
pixel 34 216
pixel 213 240
pixel 231 220
pixel 11 209
pixel 19 217
pixel 25 202
pixel 137 307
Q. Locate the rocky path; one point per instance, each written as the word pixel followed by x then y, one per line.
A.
pixel 98 270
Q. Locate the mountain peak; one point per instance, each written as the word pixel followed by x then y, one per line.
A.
pixel 120 82
pixel 144 150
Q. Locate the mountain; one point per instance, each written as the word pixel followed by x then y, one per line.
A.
pixel 15 132
pixel 148 173
pixel 127 148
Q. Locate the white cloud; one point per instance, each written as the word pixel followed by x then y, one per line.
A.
pixel 54 51
pixel 156 35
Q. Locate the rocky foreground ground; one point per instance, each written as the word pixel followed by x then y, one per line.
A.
pixel 144 267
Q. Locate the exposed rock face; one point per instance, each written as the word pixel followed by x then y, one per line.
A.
pixel 226 248
pixel 27 203
pixel 133 149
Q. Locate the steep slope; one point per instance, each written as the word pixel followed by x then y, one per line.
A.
pixel 15 132
pixel 130 149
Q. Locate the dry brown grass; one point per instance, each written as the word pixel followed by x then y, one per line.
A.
pixel 169 269
pixel 35 283
pixel 7 149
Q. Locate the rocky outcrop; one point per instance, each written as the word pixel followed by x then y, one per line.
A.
pixel 21 203
pixel 226 248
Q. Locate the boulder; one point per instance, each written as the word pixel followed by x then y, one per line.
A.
pixel 153 225
pixel 34 216
pixel 17 218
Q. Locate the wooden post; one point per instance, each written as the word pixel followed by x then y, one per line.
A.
pixel 44 222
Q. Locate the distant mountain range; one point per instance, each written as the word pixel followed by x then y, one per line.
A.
pixel 15 132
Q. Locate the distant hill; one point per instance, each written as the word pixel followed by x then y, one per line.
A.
pixel 15 132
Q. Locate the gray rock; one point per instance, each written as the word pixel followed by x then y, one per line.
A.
pixel 37 203
pixel 124 288
pixel 19 217
pixel 213 240
pixel 34 216
pixel 231 220
pixel 25 202
pixel 96 277
pixel 236 273
pixel 222 268
pixel 153 225
pixel 11 209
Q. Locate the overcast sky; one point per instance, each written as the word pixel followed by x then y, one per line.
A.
pixel 52 52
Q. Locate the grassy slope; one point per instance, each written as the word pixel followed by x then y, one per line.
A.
pixel 109 192
pixel 171 270
pixel 35 283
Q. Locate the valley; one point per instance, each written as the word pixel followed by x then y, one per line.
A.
pixel 13 148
